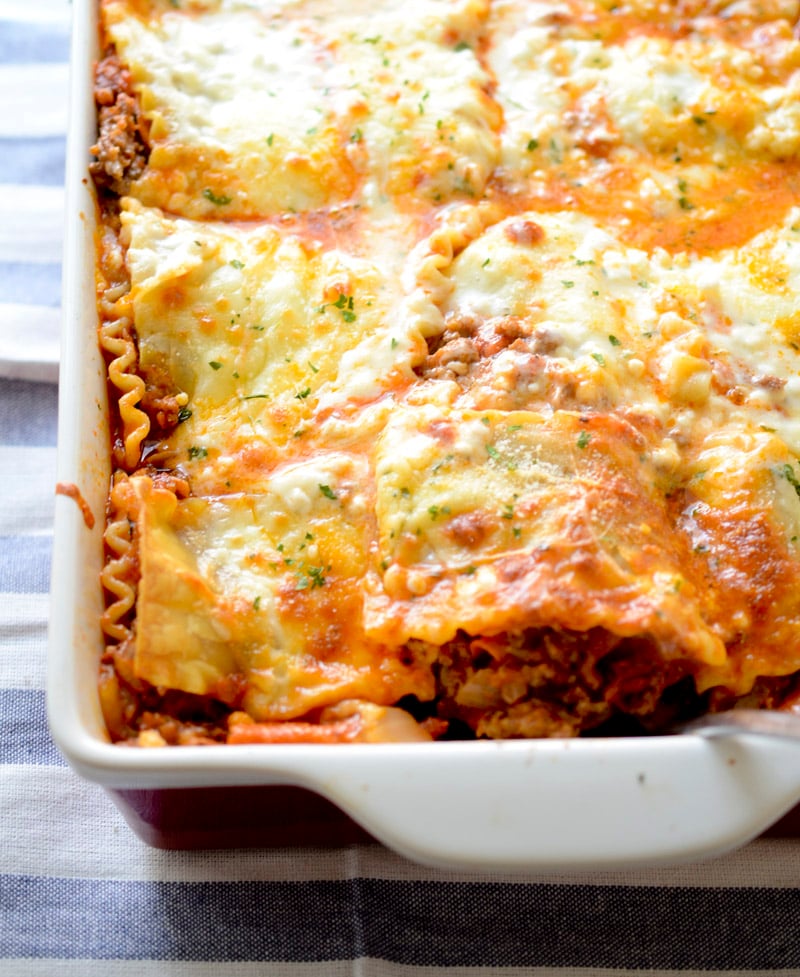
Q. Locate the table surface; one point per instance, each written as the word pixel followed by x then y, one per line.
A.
pixel 81 895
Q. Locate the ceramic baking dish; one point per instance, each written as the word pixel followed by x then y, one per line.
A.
pixel 544 805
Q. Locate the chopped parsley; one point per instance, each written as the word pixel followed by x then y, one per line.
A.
pixel 583 439
pixel 309 578
pixel 435 511
pixel 215 364
pixel 345 305
pixel 614 341
pixel 184 414
pixel 219 199
pixel 196 453
pixel 327 491
pixel 788 473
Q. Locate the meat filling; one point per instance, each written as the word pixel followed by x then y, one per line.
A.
pixel 121 150
pixel 548 682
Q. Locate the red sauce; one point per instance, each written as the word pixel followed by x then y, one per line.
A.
pixel 73 492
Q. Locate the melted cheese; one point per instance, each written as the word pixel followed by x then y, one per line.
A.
pixel 264 589
pixel 493 522
pixel 682 130
pixel 264 334
pixel 483 320
pixel 663 336
pixel 572 82
pixel 255 111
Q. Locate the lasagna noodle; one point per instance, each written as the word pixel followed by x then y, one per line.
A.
pixel 680 129
pixel 297 106
pixel 496 522
pixel 552 310
pixel 255 598
pixel 262 334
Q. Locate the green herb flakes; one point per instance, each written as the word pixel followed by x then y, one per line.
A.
pixel 219 199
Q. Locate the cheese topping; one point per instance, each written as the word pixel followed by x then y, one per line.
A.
pixel 455 347
pixel 257 111
pixel 264 335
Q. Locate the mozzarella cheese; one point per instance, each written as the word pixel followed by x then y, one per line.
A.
pixel 264 590
pixel 480 322
pixel 256 109
pixel 265 335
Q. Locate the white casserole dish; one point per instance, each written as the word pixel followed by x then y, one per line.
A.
pixel 543 805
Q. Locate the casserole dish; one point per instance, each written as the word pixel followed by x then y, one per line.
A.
pixel 556 804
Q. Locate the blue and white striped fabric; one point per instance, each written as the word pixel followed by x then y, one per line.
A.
pixel 80 896
pixel 34 43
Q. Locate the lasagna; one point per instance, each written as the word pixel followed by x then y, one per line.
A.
pixel 453 361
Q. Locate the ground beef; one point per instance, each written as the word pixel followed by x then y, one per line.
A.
pixel 161 400
pixel 121 150
pixel 465 343
pixel 547 682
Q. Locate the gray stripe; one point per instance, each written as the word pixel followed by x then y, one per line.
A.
pixel 24 735
pixel 414 923
pixel 28 413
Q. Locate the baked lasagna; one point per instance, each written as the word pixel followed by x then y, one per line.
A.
pixel 453 364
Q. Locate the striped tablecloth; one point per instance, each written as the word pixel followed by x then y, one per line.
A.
pixel 80 895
